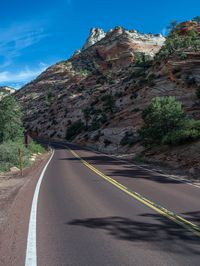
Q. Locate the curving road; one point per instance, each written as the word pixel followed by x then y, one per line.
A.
pixel 95 210
pixel 85 220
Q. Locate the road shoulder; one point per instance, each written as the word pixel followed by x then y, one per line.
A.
pixel 15 202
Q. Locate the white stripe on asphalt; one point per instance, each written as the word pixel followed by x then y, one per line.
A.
pixel 31 251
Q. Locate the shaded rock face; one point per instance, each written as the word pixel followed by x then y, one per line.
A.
pixel 61 94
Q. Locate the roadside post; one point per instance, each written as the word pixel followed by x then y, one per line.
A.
pixel 20 161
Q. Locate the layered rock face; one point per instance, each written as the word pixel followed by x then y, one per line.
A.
pixel 59 96
pixel 103 88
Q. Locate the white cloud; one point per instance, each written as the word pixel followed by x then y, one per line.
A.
pixel 21 77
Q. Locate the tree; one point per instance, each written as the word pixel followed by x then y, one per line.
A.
pixel 141 59
pixel 197 19
pixel 10 119
pixel 162 116
pixel 74 129
pixel 172 25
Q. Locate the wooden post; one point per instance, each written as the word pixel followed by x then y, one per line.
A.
pixel 20 161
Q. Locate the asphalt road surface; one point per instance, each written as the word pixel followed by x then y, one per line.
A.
pixel 95 210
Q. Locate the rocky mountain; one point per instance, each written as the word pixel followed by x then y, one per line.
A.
pixel 98 95
pixel 4 90
pixel 96 35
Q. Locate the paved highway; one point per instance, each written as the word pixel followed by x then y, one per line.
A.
pixel 91 209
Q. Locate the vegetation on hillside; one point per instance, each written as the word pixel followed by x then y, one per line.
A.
pixel 11 136
pixel 10 120
pixel 166 123
pixel 74 129
pixel 183 36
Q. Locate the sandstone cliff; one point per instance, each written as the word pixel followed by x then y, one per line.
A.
pixel 104 88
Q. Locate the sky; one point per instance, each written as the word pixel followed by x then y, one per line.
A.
pixel 35 34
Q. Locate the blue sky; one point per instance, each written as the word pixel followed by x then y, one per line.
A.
pixel 36 34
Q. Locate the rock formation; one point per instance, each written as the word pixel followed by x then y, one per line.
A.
pixel 103 87
pixel 96 35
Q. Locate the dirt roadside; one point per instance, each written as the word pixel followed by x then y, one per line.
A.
pixel 16 195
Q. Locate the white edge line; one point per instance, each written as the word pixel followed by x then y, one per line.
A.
pixel 181 180
pixel 31 251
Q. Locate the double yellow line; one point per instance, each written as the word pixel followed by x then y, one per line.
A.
pixel 159 209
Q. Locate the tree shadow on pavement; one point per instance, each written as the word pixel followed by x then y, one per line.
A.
pixel 192 216
pixel 160 233
pixel 123 169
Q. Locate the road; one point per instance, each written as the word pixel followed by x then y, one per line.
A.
pixel 95 210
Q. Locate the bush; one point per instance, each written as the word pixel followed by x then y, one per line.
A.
pixel 35 148
pixel 181 136
pixel 141 59
pixel 192 124
pixel 74 129
pixel 9 155
pixel 162 116
pixel 176 42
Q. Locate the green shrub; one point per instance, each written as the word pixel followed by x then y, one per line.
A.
pixel 141 59
pixel 9 155
pixel 74 129
pixel 162 116
pixel 84 73
pixel 35 148
pixel 183 56
pixel 192 124
pixel 181 136
pixel 176 42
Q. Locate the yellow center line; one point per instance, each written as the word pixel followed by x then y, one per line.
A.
pixel 159 209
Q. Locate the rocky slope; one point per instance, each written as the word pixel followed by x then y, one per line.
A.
pixel 105 88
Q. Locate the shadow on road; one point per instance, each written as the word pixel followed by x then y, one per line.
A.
pixel 122 169
pixel 161 233
pixel 192 216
